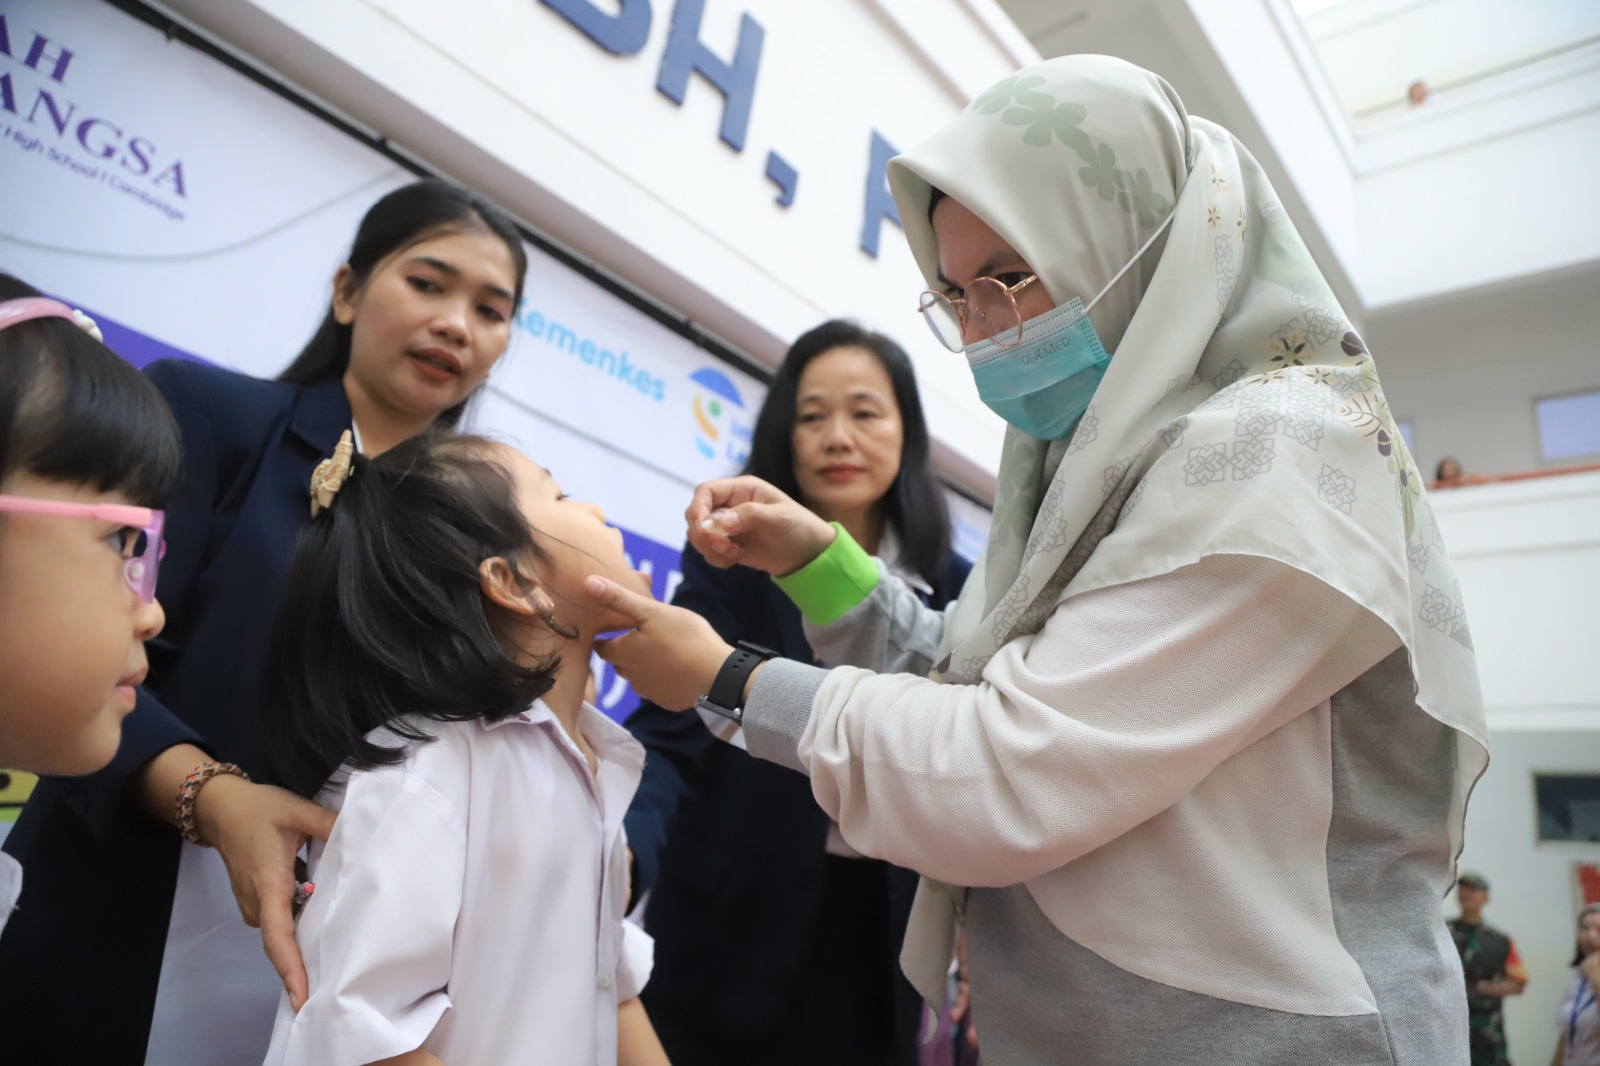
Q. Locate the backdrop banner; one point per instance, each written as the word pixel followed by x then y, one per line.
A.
pixel 198 214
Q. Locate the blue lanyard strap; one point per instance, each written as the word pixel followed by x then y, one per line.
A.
pixel 1578 1003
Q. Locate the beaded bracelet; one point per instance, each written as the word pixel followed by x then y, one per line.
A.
pixel 190 789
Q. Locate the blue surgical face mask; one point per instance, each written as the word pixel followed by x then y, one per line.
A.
pixel 1044 384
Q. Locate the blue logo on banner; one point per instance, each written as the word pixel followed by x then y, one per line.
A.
pixel 717 432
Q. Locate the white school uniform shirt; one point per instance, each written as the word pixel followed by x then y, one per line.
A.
pixel 1579 1021
pixel 10 886
pixel 470 901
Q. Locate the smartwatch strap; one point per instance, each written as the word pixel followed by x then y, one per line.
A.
pixel 727 691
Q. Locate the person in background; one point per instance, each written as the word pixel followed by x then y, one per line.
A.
pixel 164 850
pixel 88 455
pixel 776 941
pixel 1448 475
pixel 1493 971
pixel 1578 1018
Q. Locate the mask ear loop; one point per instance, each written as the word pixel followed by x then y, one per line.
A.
pixel 1136 257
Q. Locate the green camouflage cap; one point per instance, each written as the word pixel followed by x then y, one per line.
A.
pixel 1473 880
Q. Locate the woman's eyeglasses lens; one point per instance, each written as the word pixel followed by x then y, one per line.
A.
pixel 144 552
pixel 993 311
pixel 140 571
pixel 942 318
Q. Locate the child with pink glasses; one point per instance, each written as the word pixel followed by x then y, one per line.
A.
pixel 87 450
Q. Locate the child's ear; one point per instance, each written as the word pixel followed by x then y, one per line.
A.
pixel 510 590
pixel 344 295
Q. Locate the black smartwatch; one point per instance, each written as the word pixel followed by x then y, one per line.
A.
pixel 726 697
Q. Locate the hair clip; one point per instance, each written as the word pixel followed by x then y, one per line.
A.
pixel 330 475
pixel 88 325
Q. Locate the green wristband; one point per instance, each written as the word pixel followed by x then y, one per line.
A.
pixel 831 585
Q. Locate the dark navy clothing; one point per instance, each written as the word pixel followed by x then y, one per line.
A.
pixel 81 958
pixel 767 948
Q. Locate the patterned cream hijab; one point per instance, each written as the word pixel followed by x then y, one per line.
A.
pixel 1240 414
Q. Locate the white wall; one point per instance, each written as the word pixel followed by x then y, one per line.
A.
pixel 511 97
pixel 1527 554
pixel 1466 371
pixel 1528 557
pixel 1531 897
pixel 1495 210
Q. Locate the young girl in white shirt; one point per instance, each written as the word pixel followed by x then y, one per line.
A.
pixel 427 681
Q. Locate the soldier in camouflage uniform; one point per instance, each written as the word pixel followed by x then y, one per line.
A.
pixel 1493 971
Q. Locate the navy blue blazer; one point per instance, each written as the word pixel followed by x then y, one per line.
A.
pixel 81 958
pixel 732 848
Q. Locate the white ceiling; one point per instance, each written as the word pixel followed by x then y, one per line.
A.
pixel 1426 205
pixel 1374 50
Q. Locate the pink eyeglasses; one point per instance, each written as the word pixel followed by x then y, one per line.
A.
pixel 139 537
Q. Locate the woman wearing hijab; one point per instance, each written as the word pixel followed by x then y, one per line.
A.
pixel 1199 733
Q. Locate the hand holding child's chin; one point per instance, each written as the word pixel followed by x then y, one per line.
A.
pixel 669 655
pixel 635 581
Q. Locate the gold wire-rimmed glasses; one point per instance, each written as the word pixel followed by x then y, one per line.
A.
pixel 991 303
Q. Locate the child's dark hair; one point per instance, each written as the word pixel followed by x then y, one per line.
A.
pixel 383 614
pixel 71 410
pixel 407 216
pixel 914 504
